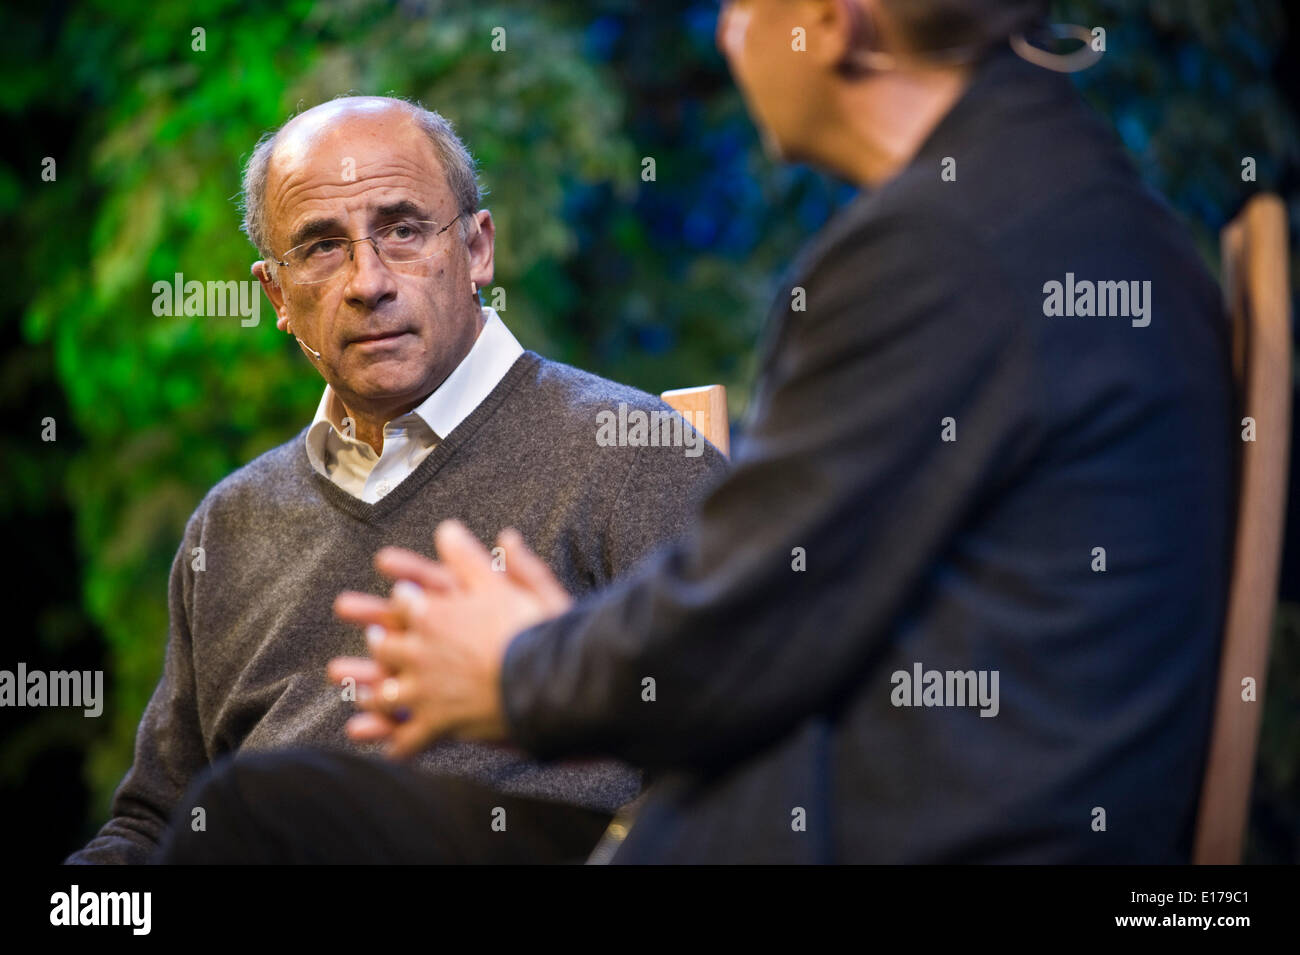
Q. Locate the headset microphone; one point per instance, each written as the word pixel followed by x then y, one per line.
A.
pixel 306 346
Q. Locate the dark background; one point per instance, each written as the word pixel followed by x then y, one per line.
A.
pixel 661 284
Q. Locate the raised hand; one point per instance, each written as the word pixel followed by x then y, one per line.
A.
pixel 437 644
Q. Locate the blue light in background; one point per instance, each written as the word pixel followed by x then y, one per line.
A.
pixel 1132 132
pixel 602 35
pixel 701 22
pixel 700 229
pixel 655 339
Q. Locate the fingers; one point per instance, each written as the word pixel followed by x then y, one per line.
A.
pixel 402 564
pixel 461 551
pixel 361 669
pixel 530 572
pixel 375 689
pixel 367 727
pixel 408 601
pixel 366 609
pixel 390 697
pixel 397 652
pixel 400 689
pixel 409 738
pixel 394 614
pixel 465 562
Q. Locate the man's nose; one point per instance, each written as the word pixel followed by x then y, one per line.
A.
pixel 371 282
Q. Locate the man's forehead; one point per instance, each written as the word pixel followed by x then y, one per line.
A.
pixel 361 126
pixel 349 147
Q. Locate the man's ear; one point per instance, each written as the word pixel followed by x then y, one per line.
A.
pixel 273 292
pixel 842 27
pixel 481 243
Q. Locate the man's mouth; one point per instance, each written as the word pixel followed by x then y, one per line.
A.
pixel 378 337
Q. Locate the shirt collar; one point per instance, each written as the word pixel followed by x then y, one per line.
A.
pixel 491 356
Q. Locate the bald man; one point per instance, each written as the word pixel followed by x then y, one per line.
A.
pixel 365 212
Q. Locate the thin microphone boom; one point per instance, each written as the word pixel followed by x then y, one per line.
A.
pixel 308 347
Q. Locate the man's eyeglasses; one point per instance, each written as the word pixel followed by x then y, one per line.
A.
pixel 408 240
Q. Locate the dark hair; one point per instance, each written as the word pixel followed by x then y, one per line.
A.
pixel 933 25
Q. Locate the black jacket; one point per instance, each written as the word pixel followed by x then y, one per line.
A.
pixel 774 728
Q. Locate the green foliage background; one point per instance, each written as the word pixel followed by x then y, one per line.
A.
pixel 659 284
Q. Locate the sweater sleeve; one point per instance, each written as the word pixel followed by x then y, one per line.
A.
pixel 843 497
pixel 169 745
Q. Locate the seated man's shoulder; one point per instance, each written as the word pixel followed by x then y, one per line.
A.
pixel 255 482
pixel 593 406
pixel 585 392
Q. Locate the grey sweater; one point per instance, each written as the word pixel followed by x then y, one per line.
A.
pixel 251 632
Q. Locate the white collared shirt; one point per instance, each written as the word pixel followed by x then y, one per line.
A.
pixel 408 439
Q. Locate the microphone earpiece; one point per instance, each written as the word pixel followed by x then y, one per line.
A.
pixel 300 341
